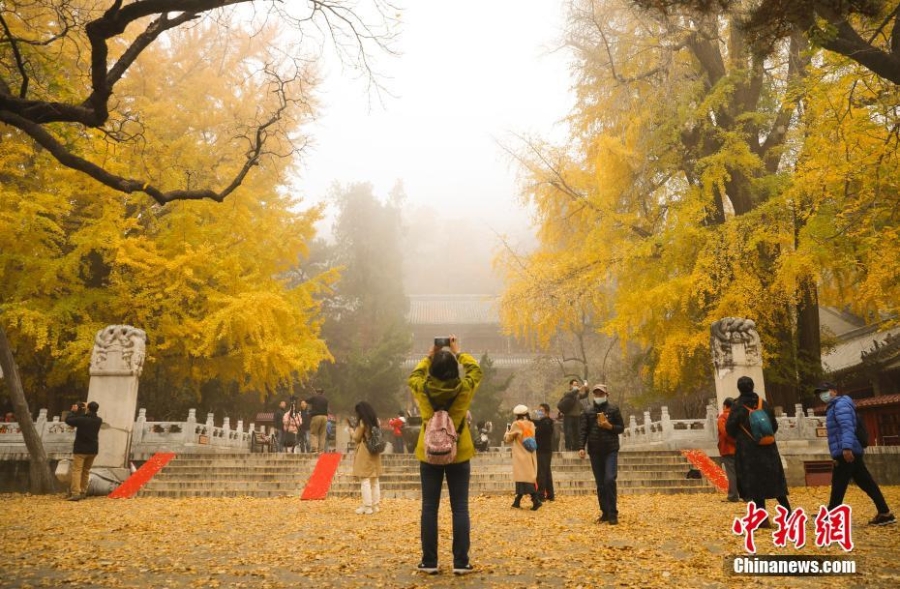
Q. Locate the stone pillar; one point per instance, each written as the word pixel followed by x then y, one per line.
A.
pixel 666 423
pixel 712 420
pixel 190 426
pixel 116 364
pixel 137 435
pixel 41 424
pixel 802 423
pixel 736 352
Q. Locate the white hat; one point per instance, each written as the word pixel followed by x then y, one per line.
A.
pixel 520 410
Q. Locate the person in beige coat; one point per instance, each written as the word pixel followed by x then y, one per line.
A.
pixel 366 466
pixel 524 462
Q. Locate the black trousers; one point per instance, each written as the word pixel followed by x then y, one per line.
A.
pixel 856 471
pixel 544 475
pixel 570 432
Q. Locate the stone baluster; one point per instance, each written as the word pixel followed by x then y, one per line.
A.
pixel 190 427
pixel 666 423
pixel 226 431
pixel 632 427
pixel 647 426
pixel 41 424
pixel 240 433
pixel 712 421
pixel 802 424
pixel 140 425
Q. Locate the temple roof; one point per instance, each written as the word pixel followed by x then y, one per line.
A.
pixel 474 309
pixel 862 346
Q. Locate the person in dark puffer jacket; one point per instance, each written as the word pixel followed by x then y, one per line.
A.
pixel 847 452
pixel 601 424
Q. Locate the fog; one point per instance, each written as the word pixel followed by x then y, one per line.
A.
pixel 471 75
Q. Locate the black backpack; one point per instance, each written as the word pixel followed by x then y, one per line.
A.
pixel 567 403
pixel 375 443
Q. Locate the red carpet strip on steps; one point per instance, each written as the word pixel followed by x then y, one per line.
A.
pixel 320 480
pixel 712 471
pixel 139 478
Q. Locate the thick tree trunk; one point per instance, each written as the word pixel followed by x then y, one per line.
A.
pixel 809 338
pixel 42 479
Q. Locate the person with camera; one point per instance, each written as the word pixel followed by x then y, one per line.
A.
pixel 318 420
pixel 83 417
pixel 571 407
pixel 601 425
pixel 437 385
pixel 291 423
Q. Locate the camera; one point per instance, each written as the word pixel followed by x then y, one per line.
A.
pixel 442 342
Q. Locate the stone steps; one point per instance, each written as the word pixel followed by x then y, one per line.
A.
pixel 272 475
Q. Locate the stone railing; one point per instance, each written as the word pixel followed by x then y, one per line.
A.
pixel 147 436
pixel 667 433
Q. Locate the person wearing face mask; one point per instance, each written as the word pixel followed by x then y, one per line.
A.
pixel 601 425
pixel 543 435
pixel 847 452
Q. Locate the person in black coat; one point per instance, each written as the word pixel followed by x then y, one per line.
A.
pixel 84 419
pixel 278 425
pixel 543 435
pixel 601 424
pixel 759 470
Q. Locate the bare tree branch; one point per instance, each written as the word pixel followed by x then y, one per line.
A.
pixel 349 29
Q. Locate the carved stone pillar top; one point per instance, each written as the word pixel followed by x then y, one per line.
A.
pixel 118 351
pixel 734 342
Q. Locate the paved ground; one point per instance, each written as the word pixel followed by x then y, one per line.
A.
pixel 662 541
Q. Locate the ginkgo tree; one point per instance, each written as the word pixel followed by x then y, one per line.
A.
pixel 661 212
pixel 63 63
pixel 865 31
pixel 211 283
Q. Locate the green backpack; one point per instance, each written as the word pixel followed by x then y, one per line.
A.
pixel 760 425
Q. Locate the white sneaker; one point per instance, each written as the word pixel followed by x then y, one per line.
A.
pixel 364 510
pixel 376 509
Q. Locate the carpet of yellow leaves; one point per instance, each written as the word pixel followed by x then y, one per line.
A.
pixel 662 541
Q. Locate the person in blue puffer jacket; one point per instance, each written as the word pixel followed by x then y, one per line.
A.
pixel 847 452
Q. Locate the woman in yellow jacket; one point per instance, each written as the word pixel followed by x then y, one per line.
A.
pixel 524 462
pixel 366 466
pixel 437 382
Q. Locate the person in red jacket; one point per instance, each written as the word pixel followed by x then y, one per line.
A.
pixel 397 424
pixel 727 450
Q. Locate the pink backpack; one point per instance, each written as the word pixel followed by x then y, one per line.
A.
pixel 440 435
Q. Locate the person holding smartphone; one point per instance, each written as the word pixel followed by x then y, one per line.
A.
pixel 601 425
pixel 84 419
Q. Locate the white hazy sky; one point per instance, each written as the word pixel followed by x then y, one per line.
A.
pixel 470 73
